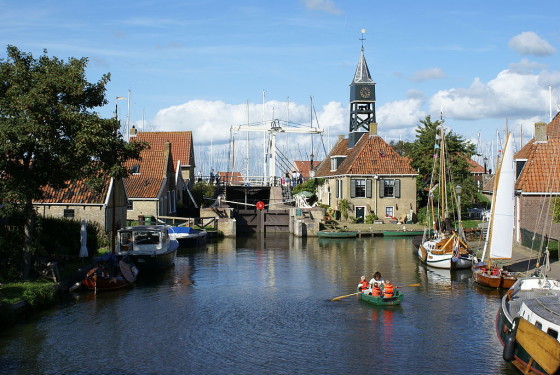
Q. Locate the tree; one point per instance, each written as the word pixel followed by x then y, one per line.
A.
pixel 423 152
pixel 50 133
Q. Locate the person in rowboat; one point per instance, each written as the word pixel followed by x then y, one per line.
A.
pixel 363 284
pixel 376 279
pixel 388 289
pixel 375 290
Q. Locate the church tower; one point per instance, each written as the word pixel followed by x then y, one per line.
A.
pixel 362 102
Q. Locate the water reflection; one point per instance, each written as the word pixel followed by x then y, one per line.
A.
pixel 261 304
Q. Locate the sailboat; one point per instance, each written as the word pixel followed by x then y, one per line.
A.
pixel 499 237
pixel 446 248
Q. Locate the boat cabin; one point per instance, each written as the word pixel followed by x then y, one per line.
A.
pixel 540 313
pixel 142 238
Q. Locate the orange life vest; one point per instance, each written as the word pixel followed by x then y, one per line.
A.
pixel 388 291
pixel 364 286
pixel 376 291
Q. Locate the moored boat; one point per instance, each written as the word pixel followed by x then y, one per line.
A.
pixel 188 236
pixel 148 246
pixel 404 232
pixel 445 247
pixel 499 236
pixel 396 299
pixel 528 324
pixel 336 234
pixel 110 272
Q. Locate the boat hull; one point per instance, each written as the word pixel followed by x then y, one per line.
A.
pixel 445 261
pixel 154 261
pixel 332 234
pixel 400 233
pixel 520 356
pixel 380 301
pixel 500 281
pixel 99 279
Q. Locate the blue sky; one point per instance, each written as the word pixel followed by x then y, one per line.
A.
pixel 194 65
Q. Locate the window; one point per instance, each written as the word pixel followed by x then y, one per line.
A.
pixel 130 205
pixel 538 325
pixel 69 214
pixel 360 188
pixel 336 161
pixel 390 211
pixel 389 188
pixel 135 169
pixel 553 333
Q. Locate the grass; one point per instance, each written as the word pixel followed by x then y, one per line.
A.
pixel 35 293
pixel 468 224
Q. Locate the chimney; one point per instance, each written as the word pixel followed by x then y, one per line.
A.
pixel 133 132
pixel 373 129
pixel 340 137
pixel 540 132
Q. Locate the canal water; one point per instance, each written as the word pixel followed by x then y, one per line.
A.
pixel 261 305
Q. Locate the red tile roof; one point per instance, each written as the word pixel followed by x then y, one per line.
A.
pixel 75 193
pixel 541 171
pixel 553 127
pixel 181 144
pixel 474 167
pixel 370 156
pixel 303 166
pixel 231 178
pixel 147 183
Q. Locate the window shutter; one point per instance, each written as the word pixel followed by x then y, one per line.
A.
pixel 381 188
pixel 337 189
pixel 397 188
pixel 352 188
pixel 368 188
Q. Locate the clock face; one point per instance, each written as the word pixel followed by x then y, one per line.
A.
pixel 365 92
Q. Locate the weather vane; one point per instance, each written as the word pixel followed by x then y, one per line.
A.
pixel 362 38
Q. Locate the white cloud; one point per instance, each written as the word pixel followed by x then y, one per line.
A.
pixel 327 6
pixel 529 43
pixel 210 121
pixel 509 94
pixel 400 118
pixel 427 74
pixel 525 67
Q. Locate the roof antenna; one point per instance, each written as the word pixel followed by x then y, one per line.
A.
pixel 362 38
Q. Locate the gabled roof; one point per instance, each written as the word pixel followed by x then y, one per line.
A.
pixel 540 173
pixel 474 167
pixel 182 144
pixel 152 172
pixel 370 156
pixel 76 192
pixel 303 166
pixel 553 127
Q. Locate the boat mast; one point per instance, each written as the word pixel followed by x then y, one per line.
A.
pixel 442 187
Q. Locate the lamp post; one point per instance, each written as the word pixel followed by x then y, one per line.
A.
pixel 458 191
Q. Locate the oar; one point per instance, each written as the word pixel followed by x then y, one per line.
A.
pixel 341 297
pixel 410 285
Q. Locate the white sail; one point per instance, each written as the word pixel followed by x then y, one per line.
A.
pixel 502 220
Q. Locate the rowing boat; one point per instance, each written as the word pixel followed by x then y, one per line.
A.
pixel 381 301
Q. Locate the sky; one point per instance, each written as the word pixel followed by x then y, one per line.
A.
pixel 203 66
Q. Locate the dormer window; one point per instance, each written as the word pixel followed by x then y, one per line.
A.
pixel 336 161
pixel 135 169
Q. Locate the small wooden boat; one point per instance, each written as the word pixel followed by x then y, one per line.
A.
pixel 110 272
pixel 382 301
pixel 493 277
pixel 336 234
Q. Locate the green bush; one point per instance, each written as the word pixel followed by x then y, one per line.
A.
pixel 202 190
pixel 34 293
pixel 371 218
